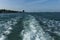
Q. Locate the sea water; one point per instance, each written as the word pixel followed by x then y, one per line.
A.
pixel 29 26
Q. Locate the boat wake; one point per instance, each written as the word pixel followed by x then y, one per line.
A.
pixel 28 28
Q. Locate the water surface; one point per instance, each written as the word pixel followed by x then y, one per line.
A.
pixel 30 26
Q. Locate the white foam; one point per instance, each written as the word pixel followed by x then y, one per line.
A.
pixel 33 31
pixel 2 37
pixel 7 27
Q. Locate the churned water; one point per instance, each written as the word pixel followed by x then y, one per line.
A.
pixel 29 26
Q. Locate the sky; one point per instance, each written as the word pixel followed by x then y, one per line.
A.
pixel 31 5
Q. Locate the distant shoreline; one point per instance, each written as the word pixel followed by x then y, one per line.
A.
pixel 10 11
pixel 23 11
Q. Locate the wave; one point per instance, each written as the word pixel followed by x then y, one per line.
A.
pixel 6 27
pixel 33 30
pixel 29 27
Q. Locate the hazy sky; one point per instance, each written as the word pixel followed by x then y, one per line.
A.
pixel 31 5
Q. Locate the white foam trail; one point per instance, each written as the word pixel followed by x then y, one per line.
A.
pixel 33 30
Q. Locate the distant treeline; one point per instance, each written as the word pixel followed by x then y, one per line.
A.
pixel 10 11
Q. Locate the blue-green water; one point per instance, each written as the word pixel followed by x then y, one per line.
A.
pixel 30 26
